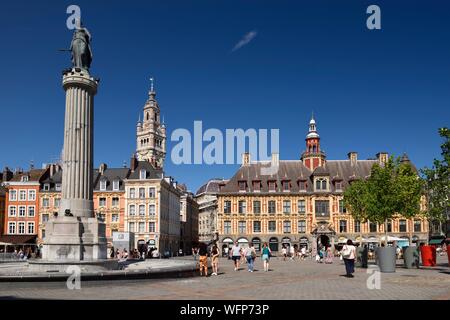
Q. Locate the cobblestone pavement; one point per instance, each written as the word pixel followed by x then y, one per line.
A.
pixel 286 280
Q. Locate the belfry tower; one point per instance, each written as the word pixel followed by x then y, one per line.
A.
pixel 313 156
pixel 151 133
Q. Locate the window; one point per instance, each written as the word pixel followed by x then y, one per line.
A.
pixel 286 186
pixel 11 228
pixel 338 186
pixel 13 196
pixel 142 210
pixel 342 226
pixel 30 227
pixel 302 185
pixel 143 174
pixel 115 202
pixel 256 226
pixel 151 227
pixel 152 193
pixel 227 227
pixel 301 226
pixel 131 227
pixel 116 185
pixel 286 226
pixel 402 225
pixel 141 193
pixel 417 226
pixel 286 206
pixel 132 210
pixel 21 228
pixel 22 211
pixel 47 187
pixel 257 207
pixel 272 207
pixel 22 195
pixel 242 185
pixel 151 210
pixel 373 226
pixel 322 208
pixel 242 206
pixel 272 186
pixel 301 206
pixel 389 226
pixel 357 226
pixel 257 186
pixel 57 202
pixel 321 185
pixel 58 187
pixel 227 206
pixel 45 202
pixel 114 217
pixel 44 218
pixel 31 211
pixel 31 195
pixel 141 227
pixel 272 226
pixel 24 179
pixel 102 202
pixel 12 211
pixel 132 193
pixel 241 226
pixel 342 207
pixel 102 185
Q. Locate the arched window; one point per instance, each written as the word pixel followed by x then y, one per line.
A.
pixel 148 116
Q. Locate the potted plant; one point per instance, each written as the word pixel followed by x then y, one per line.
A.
pixel 393 188
pixel 437 186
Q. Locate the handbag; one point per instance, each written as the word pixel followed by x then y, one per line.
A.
pixel 346 252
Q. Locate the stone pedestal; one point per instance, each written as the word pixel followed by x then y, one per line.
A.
pixel 75 239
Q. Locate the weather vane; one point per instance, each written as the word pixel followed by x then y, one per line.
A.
pixel 151 83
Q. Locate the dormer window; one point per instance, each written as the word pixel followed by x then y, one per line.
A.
pixel 143 174
pixel 338 186
pixel 25 179
pixel 116 185
pixel 302 185
pixel 257 186
pixel 272 186
pixel 321 184
pixel 242 186
pixel 58 187
pixel 102 185
pixel 286 186
pixel 47 187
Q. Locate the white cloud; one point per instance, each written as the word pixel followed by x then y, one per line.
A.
pixel 245 40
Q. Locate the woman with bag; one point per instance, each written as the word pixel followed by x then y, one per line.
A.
pixel 250 255
pixel 266 253
pixel 349 255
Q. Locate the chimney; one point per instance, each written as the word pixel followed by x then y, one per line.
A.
pixel 52 170
pixel 245 159
pixel 133 163
pixel 353 157
pixel 382 157
pixel 102 168
pixel 7 174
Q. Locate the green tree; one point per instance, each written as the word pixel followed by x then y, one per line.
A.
pixel 437 182
pixel 392 188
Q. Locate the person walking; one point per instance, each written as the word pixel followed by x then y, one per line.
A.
pixel 329 256
pixel 303 253
pixel 292 252
pixel 203 259
pixel 250 255
pixel 215 260
pixel 349 255
pixel 236 255
pixel 266 252
pixel 284 253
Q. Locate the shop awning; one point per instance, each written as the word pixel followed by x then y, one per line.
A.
pixel 18 239
pixel 436 241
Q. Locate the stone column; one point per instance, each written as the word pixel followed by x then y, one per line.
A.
pixel 75 234
pixel 77 180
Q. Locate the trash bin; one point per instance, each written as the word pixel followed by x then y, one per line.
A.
pixel 362 255
pixel 386 259
pixel 410 257
pixel 428 254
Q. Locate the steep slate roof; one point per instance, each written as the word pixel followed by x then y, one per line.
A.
pixel 212 186
pixel 56 178
pixel 295 171
pixel 152 173
pixel 111 174
pixel 34 175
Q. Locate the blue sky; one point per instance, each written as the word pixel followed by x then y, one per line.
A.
pixel 384 90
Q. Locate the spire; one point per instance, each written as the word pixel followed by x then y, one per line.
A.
pixel 152 84
pixel 312 128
